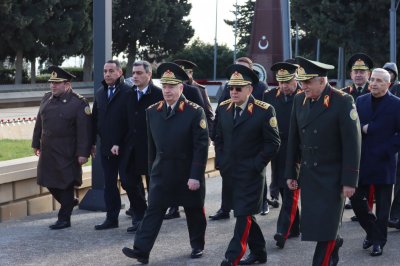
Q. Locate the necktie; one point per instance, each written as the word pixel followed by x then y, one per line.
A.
pixel 169 109
pixel 111 91
pixel 237 114
pixel 359 89
pixel 140 94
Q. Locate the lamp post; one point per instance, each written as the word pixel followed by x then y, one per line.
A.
pixel 215 41
pixel 393 31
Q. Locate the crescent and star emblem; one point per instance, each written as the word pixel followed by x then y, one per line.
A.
pixel 263 40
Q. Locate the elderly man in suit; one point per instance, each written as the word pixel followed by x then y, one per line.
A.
pixel 177 157
pixel 246 139
pixel 325 141
pixel 380 123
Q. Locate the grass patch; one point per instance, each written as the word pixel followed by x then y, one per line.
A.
pixel 14 149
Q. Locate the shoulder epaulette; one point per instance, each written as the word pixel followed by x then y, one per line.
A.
pixel 262 104
pixel 160 103
pixel 79 96
pixel 225 102
pixel 194 105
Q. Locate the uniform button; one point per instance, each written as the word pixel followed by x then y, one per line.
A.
pixel 315 131
pixel 304 131
pixel 134 131
pixel 136 113
pixel 305 163
pixel 315 164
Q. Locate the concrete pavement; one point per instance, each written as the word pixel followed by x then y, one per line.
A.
pixel 30 242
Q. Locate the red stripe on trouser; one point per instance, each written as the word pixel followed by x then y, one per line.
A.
pixel 371 195
pixel 293 211
pixel 243 241
pixel 328 253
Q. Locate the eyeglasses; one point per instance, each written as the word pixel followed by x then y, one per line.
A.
pixel 238 89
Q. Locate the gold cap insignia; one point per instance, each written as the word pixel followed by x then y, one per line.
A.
pixel 53 75
pixel 238 80
pixel 203 124
pixel 168 77
pixel 360 65
pixel 273 122
pixel 353 114
pixel 181 106
pixel 87 110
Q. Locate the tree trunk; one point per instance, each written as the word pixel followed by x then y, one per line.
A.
pixel 18 67
pixel 33 71
pixel 131 59
pixel 88 67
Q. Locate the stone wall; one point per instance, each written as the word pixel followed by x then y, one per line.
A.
pixel 21 196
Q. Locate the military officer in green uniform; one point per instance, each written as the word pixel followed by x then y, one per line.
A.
pixel 325 140
pixel 177 157
pixel 246 139
pixel 62 140
pixel 360 66
pixel 281 98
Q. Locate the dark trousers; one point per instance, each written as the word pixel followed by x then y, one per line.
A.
pixel 226 194
pixel 395 209
pixel 152 221
pixel 134 188
pixel 112 197
pixel 66 198
pixel 274 185
pixel 326 253
pixel 374 225
pixel 288 219
pixel 247 231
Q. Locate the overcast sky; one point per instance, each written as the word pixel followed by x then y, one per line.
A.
pixel 202 17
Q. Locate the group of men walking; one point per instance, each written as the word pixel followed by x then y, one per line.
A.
pixel 322 147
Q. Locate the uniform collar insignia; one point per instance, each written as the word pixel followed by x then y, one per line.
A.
pixel 278 93
pixel 326 101
pixel 181 106
pixel 250 107
pixel 229 106
pixel 160 105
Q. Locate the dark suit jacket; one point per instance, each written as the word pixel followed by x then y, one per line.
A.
pixel 178 150
pixel 244 149
pixel 382 141
pixel 135 142
pixel 325 140
pixel 108 116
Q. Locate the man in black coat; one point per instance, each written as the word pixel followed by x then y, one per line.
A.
pixel 394 219
pixel 259 88
pixel 193 94
pixel 178 150
pixel 246 140
pixel 134 155
pixel 325 142
pixel 108 116
pixel 281 98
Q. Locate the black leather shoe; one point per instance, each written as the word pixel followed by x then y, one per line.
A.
pixel 280 240
pixel 219 215
pixel 264 208
pixel 273 202
pixel 134 254
pixel 172 213
pixel 133 228
pixel 196 253
pixel 354 219
pixel 129 212
pixel 253 259
pixel 376 250
pixel 394 223
pixel 107 224
pixel 226 262
pixel 60 225
pixel 366 244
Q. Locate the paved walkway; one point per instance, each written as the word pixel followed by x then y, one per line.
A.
pixel 29 241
